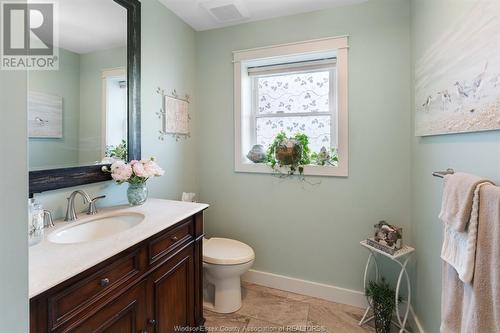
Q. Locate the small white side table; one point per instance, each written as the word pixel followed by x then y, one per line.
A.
pixel 401 257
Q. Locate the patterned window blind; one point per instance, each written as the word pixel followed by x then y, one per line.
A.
pixel 294 100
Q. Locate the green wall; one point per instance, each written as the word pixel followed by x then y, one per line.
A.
pixel 477 153
pixel 168 61
pixel 170 68
pixel 301 230
pixel 13 202
pixel 64 82
pixel 91 67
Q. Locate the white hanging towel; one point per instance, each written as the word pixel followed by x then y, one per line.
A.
pixel 459 248
pixel 189 197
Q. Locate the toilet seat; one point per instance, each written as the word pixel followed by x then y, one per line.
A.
pixel 224 251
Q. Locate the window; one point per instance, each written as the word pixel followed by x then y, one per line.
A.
pixel 296 98
pixel 294 88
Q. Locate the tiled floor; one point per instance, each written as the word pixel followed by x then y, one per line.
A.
pixel 267 310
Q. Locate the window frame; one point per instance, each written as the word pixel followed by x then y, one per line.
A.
pixel 244 102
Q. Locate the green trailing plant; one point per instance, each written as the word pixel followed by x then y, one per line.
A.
pixel 383 298
pixel 291 152
pixel 325 157
pixel 294 153
pixel 120 151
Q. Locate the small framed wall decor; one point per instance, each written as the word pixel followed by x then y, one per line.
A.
pixel 174 115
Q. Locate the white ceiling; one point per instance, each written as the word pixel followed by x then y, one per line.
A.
pixel 194 13
pixel 90 25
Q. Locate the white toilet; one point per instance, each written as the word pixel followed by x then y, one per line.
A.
pixel 224 261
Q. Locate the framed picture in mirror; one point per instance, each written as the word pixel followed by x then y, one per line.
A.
pixel 45 113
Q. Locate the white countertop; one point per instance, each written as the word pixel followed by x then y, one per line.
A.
pixel 51 264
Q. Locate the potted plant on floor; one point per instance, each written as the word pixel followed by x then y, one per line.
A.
pixel 383 298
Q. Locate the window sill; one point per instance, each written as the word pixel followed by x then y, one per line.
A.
pixel 309 170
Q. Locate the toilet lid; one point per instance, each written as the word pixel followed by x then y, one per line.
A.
pixel 224 251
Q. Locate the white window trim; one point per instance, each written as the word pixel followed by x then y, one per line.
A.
pixel 105 75
pixel 242 99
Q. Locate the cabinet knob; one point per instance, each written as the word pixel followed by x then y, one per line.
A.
pixel 104 282
pixel 152 322
pixel 174 238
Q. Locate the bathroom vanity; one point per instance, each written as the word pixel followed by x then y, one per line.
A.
pixel 146 278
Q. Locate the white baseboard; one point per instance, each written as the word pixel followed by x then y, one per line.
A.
pixel 308 288
pixel 318 290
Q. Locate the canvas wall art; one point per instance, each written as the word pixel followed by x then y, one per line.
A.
pixel 45 115
pixel 457 80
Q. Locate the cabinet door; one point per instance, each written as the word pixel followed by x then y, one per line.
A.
pixel 126 314
pixel 173 293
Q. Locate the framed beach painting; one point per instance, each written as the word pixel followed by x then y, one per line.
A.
pixel 45 114
pixel 457 80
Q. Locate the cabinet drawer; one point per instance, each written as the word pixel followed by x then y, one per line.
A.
pixel 165 242
pixel 70 301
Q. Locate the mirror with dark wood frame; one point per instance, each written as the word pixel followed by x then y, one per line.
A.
pixel 86 113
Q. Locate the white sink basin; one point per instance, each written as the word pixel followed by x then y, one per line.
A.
pixel 96 228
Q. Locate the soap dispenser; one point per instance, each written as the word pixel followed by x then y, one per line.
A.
pixel 38 220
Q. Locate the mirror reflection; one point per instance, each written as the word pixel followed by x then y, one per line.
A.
pixel 77 115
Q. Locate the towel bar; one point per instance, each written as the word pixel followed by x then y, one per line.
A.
pixel 441 174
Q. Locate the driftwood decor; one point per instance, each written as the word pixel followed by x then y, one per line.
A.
pixel 174 115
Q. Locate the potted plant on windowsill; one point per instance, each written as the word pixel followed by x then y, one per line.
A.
pixel 116 153
pixel 291 152
pixel 383 298
pixel 294 153
pixel 136 173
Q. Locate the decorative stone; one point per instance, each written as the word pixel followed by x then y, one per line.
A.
pixel 257 154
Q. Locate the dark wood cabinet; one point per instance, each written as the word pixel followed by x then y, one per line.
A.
pixel 126 314
pixel 154 287
pixel 173 294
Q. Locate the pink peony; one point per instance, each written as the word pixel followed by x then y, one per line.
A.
pixel 121 172
pixel 116 165
pixel 153 169
pixel 139 171
pixel 125 172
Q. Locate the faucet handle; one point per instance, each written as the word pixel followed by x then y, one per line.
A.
pixel 48 222
pixel 92 208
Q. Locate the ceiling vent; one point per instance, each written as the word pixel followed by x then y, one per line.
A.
pixel 225 10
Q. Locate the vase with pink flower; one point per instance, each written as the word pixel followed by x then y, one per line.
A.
pixel 136 174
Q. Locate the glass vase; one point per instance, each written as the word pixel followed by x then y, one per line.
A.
pixel 137 194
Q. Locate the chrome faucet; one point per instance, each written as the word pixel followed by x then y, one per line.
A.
pixel 71 212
